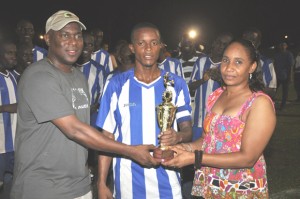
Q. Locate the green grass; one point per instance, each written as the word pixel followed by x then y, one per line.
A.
pixel 282 152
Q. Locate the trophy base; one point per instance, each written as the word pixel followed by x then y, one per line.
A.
pixel 163 154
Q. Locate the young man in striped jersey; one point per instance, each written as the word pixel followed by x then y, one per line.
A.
pixel 187 55
pixel 128 115
pixel 8 115
pixel 24 59
pixel 94 73
pixel 25 32
pixel 169 63
pixel 100 55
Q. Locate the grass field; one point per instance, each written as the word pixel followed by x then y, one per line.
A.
pixel 282 152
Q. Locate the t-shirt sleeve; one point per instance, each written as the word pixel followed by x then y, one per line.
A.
pixel 44 95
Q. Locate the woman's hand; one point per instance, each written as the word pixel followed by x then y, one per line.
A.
pixel 182 158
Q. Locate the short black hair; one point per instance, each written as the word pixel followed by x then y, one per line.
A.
pixel 143 25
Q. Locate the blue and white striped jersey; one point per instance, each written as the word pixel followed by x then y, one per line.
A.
pixel 188 65
pixel 268 71
pixel 39 53
pixel 103 58
pixel 128 110
pixel 95 76
pixel 201 65
pixel 8 121
pixel 15 74
pixel 172 65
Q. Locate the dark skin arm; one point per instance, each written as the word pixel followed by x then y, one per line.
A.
pixel 212 73
pixel 171 137
pixel 10 108
pixel 196 84
pixel 104 161
pixel 88 136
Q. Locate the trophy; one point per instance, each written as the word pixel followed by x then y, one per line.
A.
pixel 165 116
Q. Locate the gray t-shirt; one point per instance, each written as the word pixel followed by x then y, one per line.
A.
pixel 48 165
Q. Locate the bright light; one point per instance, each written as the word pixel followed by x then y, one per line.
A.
pixel 41 36
pixel 285 36
pixel 192 34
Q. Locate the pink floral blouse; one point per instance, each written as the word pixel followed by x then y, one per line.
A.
pixel 223 134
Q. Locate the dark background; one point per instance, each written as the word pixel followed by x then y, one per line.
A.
pixel 274 18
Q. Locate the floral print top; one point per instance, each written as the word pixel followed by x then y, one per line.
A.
pixel 223 134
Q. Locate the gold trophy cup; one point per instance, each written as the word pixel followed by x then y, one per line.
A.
pixel 165 116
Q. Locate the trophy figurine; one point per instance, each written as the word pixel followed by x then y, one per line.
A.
pixel 165 116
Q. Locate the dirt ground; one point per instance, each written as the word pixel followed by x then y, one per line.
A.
pixel 282 152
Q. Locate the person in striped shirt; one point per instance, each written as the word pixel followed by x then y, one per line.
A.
pixel 265 64
pixel 187 56
pixel 24 59
pixel 100 55
pixel 94 73
pixel 25 33
pixel 8 114
pixel 128 115
pixel 169 63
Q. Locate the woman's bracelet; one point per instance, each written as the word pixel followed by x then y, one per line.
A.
pixel 198 159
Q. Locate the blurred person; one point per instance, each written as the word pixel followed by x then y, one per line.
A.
pixel 168 63
pixel 297 77
pixel 265 65
pixel 100 55
pixel 53 130
pixel 25 33
pixel 240 121
pixel 94 73
pixel 204 85
pixel 8 115
pixel 24 59
pixel 124 57
pixel 187 56
pixel 283 62
pixel 115 56
pixel 106 47
pixel 128 115
pixel 205 79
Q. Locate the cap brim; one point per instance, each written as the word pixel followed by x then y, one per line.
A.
pixel 59 26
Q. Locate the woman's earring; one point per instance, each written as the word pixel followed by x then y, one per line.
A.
pixel 250 76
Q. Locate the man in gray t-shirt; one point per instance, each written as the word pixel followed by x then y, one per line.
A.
pixel 53 117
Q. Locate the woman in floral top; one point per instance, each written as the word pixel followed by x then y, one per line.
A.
pixel 239 123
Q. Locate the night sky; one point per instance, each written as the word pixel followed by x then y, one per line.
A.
pixel 275 18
